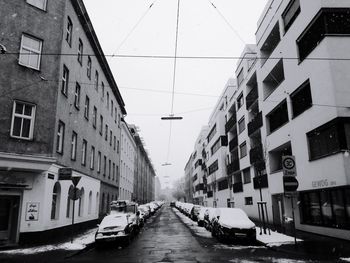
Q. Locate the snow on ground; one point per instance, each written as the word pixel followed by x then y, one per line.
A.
pixel 268 259
pixel 200 231
pixel 345 259
pixel 79 242
pixel 275 239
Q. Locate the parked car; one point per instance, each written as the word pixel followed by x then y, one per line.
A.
pixel 208 217
pixel 117 227
pixel 231 224
pixel 195 212
pixel 200 217
pixel 172 204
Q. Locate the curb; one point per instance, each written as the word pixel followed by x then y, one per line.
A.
pixel 76 253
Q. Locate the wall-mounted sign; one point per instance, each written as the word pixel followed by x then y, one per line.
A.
pixel 288 165
pixel 16 180
pixel 32 211
pixel 323 183
pixel 65 173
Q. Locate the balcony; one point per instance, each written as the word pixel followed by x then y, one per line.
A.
pixel 232 167
pixel 260 182
pixel 251 97
pixel 233 143
pixel 256 154
pixel 238 187
pixel 210 194
pixel 255 124
pixel 199 187
pixel 230 123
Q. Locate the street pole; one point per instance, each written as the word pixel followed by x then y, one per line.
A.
pixel 72 234
pixel 295 234
pixel 262 207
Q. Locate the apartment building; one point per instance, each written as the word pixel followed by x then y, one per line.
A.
pixel 59 107
pixel 127 163
pixel 188 180
pixel 144 173
pixel 198 176
pixel 291 98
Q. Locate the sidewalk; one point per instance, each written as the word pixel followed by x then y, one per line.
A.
pixel 313 246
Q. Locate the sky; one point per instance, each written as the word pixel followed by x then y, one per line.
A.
pixel 132 27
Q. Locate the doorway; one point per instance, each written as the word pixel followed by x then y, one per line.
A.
pixel 278 212
pixel 9 212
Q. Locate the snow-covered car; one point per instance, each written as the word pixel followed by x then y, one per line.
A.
pixel 117 227
pixel 200 217
pixel 195 212
pixel 232 223
pixel 208 217
pixel 187 209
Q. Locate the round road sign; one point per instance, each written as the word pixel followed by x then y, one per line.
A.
pixel 288 163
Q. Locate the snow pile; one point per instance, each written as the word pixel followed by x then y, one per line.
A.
pixel 200 231
pixel 79 242
pixel 345 259
pixel 269 259
pixel 236 247
pixel 275 239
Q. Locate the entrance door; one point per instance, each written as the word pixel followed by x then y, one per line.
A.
pixel 9 208
pixel 278 212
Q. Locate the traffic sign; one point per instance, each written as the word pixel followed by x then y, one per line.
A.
pixel 288 165
pixel 64 173
pixel 75 180
pixel 290 184
pixel 74 193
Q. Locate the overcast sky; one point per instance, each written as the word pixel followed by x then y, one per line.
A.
pixel 146 84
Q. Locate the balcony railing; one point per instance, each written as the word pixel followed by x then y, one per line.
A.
pixel 230 123
pixel 210 194
pixel 251 97
pixel 260 182
pixel 238 187
pixel 233 143
pixel 256 154
pixel 255 124
pixel 232 167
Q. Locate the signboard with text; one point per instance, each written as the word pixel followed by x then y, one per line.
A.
pixel 65 173
pixel 288 165
pixel 32 211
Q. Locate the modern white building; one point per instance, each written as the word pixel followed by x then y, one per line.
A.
pixel 127 163
pixel 291 98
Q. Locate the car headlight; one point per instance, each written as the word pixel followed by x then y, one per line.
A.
pixel 98 235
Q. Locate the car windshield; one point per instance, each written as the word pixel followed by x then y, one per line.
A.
pixel 114 220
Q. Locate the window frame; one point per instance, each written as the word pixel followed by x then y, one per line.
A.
pixel 69 31
pixel 74 144
pixel 83 152
pixel 99 160
pixel 60 137
pixel 65 81
pixel 293 17
pixel 80 52
pixel 22 116
pixel 94 117
pixel 242 120
pixel 243 144
pixel 87 107
pixel 77 96
pixel 306 84
pixel 92 158
pixel 31 50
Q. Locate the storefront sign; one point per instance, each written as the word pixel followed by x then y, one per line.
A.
pixel 16 180
pixel 32 211
pixel 323 183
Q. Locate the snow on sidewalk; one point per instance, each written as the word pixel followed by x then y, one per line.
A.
pixel 79 242
pixel 275 239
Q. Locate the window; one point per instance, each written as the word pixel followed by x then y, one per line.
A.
pixel 240 77
pixel 104 165
pixel 69 210
pixel 41 4
pixel 326 23
pixel 113 174
pixel 112 108
pixel 222 185
pixel 276 155
pixel 30 53
pixel 87 107
pixel 23 117
pixel 278 116
pixel 270 43
pixel 212 133
pixel 240 101
pixel 326 207
pixel 107 100
pixel 118 146
pixel 290 14
pixel 119 120
pixel 101 124
pixel 89 68
pixel 241 125
pixel 273 79
pixel 215 147
pixel 94 117
pixel 117 173
pixel 248 200
pixel 83 153
pixel 109 169
pixel 69 31
pixel 55 202
pixel 110 137
pixel 92 158
pixel 80 52
pixel 114 143
pixel 60 137
pixel 74 146
pixel 243 149
pixel 90 203
pixel 246 176
pixel 106 132
pixel 96 80
pixel 81 203
pixel 115 114
pixel 213 167
pixel 103 91
pixel 301 99
pixel 77 96
pixel 99 162
pixel 65 81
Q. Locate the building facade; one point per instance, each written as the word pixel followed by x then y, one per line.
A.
pixel 127 163
pixel 291 99
pixel 59 107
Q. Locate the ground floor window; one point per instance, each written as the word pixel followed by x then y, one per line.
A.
pixel 326 207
